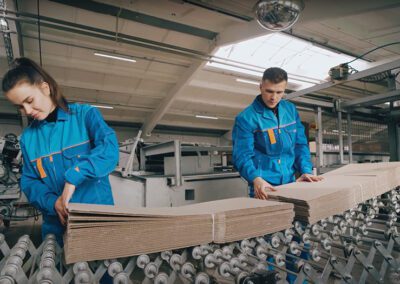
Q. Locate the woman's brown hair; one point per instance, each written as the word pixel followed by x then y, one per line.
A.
pixel 26 70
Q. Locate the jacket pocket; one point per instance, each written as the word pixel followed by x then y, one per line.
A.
pixel 289 141
pixel 272 143
pixel 71 155
pixel 259 141
pixel 267 142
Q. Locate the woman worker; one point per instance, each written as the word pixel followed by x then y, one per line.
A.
pixel 68 150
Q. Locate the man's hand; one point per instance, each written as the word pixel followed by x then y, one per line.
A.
pixel 261 187
pixel 67 194
pixel 61 211
pixel 309 178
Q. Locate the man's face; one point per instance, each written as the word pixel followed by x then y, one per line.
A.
pixel 272 93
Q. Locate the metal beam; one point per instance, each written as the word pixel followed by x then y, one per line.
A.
pixel 103 34
pixel 349 140
pixel 372 100
pixel 206 148
pixel 211 7
pixel 158 149
pixel 365 73
pixel 130 15
pixel 166 103
pixel 165 148
pixel 101 49
pixel 313 102
pixel 319 140
pixel 221 86
pixel 394 140
pixel 340 127
pixel 305 101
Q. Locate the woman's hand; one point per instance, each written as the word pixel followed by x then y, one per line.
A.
pixel 61 211
pixel 261 187
pixel 61 205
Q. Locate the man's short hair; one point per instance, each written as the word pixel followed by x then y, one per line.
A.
pixel 275 75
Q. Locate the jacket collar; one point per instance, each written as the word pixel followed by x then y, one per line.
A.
pixel 266 112
pixel 61 116
pixel 260 107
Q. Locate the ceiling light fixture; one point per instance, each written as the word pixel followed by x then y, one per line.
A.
pixel 206 116
pixel 106 107
pixel 247 81
pixel 115 57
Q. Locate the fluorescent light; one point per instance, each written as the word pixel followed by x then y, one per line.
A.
pixel 107 107
pixel 115 57
pixel 247 81
pixel 206 116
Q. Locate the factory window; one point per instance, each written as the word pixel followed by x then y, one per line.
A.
pixel 306 63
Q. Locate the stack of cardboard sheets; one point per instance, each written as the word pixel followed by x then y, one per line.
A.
pixel 386 175
pixel 103 232
pixel 341 189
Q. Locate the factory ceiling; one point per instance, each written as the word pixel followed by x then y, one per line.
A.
pixel 171 42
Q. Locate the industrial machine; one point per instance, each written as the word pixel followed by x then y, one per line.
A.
pixel 9 166
pixel 13 205
pixel 175 173
pixel 359 246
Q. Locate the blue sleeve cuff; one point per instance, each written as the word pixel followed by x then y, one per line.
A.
pixel 306 171
pixel 74 177
pixel 51 201
pixel 252 177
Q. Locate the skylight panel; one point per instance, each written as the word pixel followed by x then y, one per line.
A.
pixel 304 61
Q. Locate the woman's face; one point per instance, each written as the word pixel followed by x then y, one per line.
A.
pixel 33 100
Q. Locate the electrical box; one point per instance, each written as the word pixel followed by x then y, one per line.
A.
pixel 340 72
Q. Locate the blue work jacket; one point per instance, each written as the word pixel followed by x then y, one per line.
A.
pixel 79 148
pixel 267 148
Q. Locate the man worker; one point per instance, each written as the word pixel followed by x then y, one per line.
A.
pixel 269 144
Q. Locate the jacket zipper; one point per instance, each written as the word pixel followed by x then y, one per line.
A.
pixel 55 181
pixel 280 141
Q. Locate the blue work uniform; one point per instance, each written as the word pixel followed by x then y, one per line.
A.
pixel 78 148
pixel 270 147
